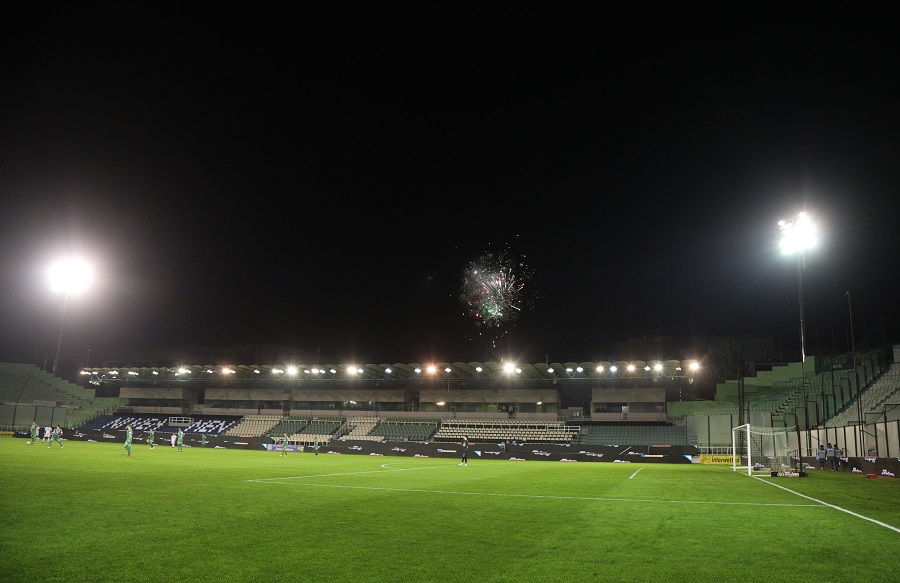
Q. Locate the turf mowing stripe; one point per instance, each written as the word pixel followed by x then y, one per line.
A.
pixel 386 469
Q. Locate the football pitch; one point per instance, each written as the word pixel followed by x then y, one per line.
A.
pixel 87 512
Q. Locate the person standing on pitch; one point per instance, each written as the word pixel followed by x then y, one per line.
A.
pixel 151 437
pixel 465 451
pixel 836 460
pixel 202 440
pixel 180 441
pixel 829 453
pixel 174 437
pixel 284 445
pixel 34 432
pixel 56 436
pixel 317 446
pixel 47 432
pixel 820 455
pixel 129 433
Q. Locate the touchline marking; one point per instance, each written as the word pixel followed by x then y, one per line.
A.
pixel 538 496
pixel 635 473
pixel 850 512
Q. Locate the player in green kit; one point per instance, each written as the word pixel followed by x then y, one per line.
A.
pixel 284 447
pixel 128 435
pixel 203 440
pixel 34 432
pixel 56 436
pixel 151 437
pixel 180 438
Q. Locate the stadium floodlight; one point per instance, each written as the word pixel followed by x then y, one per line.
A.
pixel 69 276
pixel 797 236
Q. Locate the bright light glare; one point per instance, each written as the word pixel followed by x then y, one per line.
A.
pixel 70 276
pixel 797 235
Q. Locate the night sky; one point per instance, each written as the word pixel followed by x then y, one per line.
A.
pixel 322 180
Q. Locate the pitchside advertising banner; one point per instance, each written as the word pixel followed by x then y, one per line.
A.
pixel 279 447
pixel 716 459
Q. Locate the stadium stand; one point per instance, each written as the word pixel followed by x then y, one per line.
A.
pixel 404 430
pixel 25 384
pixel 609 434
pixel 874 399
pixel 363 428
pixel 209 425
pixel 255 425
pixel 322 430
pixel 499 431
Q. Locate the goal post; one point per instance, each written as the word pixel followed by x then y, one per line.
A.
pixel 761 450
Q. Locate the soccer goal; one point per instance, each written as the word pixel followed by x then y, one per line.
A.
pixel 761 450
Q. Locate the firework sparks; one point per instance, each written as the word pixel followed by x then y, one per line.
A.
pixel 496 291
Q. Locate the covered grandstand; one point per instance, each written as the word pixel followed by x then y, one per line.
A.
pixel 852 401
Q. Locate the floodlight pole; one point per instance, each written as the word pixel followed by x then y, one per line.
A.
pixel 62 323
pixel 795 237
pixel 859 411
pixel 801 263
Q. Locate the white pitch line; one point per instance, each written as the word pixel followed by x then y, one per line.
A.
pixel 850 512
pixel 534 496
pixel 635 473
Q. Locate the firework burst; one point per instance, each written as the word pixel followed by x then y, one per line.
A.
pixel 496 291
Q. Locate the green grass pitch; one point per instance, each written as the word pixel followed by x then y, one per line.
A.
pixel 89 513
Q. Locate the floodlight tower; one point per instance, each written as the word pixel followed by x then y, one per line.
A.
pixel 69 276
pixel 798 235
pixel 859 411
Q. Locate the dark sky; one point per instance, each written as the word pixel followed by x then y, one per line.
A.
pixel 322 180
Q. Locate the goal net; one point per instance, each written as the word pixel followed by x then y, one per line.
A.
pixel 761 450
